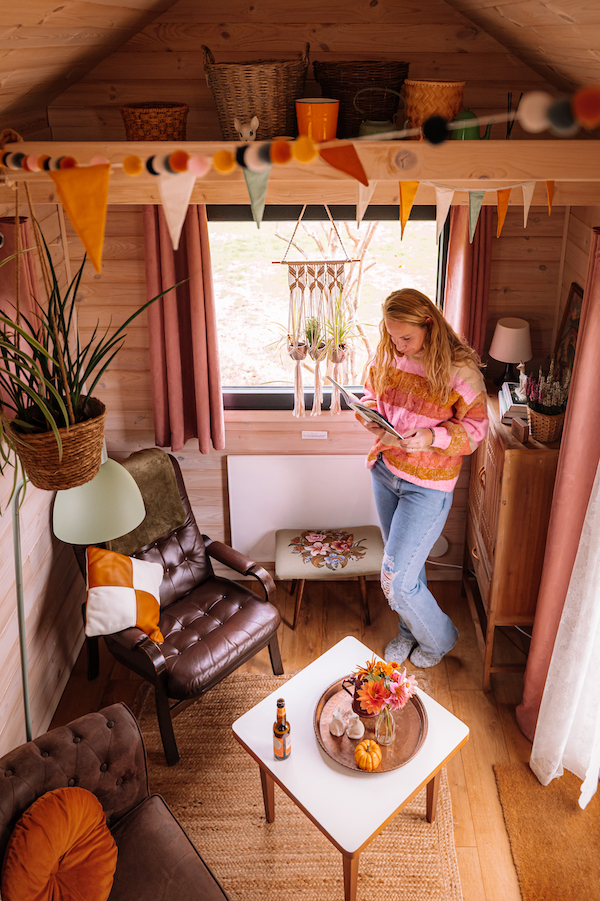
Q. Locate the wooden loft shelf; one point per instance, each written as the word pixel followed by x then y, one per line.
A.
pixel 574 167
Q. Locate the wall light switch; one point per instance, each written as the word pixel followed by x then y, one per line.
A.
pixel 320 435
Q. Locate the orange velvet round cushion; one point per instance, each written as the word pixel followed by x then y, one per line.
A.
pixel 60 850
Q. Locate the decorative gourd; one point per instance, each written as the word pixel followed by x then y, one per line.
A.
pixel 367 755
pixel 355 728
pixel 336 726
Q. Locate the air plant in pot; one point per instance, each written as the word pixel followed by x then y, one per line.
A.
pixel 340 329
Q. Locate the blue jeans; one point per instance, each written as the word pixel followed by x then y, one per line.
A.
pixel 412 519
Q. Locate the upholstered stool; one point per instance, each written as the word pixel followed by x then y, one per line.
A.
pixel 302 554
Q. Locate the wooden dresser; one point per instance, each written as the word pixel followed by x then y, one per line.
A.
pixel 510 494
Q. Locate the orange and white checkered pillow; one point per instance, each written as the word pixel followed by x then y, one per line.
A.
pixel 122 592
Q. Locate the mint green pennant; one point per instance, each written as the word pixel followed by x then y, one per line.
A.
pixel 256 183
pixel 475 201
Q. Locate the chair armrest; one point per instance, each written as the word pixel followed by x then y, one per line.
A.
pixel 240 563
pixel 134 639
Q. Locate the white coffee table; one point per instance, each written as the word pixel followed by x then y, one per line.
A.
pixel 348 806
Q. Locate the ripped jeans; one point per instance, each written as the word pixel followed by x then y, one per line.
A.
pixel 412 519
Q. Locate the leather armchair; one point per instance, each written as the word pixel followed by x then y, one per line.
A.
pixel 211 625
pixel 104 753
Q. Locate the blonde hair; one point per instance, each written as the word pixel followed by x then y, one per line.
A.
pixel 442 348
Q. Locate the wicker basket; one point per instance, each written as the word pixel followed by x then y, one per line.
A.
pixel 545 428
pixel 155 121
pixel 425 98
pixel 265 88
pixel 343 80
pixel 81 452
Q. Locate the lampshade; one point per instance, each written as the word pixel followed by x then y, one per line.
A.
pixel 108 506
pixel 511 342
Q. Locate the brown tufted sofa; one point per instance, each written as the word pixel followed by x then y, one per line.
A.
pixel 104 753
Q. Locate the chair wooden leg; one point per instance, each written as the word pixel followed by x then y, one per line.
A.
pixel 293 586
pixel 93 658
pixel 275 656
pixel 365 601
pixel 299 596
pixel 165 724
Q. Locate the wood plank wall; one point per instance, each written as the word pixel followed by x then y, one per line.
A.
pixel 165 60
pixel 52 585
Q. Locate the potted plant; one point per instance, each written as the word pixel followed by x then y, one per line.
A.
pixel 546 404
pixel 340 329
pixel 315 338
pixel 50 421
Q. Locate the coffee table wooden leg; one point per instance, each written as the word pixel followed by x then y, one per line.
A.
pixel 350 877
pixel 268 790
pixel 433 787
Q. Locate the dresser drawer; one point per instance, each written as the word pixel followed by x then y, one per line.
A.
pixel 476 555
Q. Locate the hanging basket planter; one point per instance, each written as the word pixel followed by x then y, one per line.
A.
pixel 297 350
pixel 81 451
pixel 338 354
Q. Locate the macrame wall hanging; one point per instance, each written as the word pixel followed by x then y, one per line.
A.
pixel 315 297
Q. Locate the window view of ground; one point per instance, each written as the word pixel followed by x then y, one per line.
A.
pixel 252 293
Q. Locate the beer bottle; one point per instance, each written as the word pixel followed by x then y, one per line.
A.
pixel 281 733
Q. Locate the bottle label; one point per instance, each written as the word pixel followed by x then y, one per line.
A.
pixel 282 747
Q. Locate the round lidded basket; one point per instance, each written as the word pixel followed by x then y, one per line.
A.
pixel 81 451
pixel 543 427
pixel 343 81
pixel 267 89
pixel 155 120
pixel 426 97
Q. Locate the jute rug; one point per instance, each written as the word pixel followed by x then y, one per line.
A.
pixel 555 845
pixel 215 793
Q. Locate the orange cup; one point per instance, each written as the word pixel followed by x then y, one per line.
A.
pixel 317 117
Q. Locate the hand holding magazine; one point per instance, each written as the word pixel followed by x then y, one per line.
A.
pixel 365 412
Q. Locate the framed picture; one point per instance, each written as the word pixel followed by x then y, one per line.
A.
pixel 566 339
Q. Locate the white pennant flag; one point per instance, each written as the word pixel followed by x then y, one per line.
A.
pixel 364 199
pixel 528 187
pixel 443 201
pixel 175 192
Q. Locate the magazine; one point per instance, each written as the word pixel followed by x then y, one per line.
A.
pixel 366 412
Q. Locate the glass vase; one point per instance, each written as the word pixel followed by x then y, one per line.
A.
pixel 385 727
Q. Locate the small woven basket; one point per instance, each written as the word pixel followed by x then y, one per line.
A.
pixel 81 452
pixel 265 88
pixel 343 80
pixel 425 98
pixel 545 428
pixel 155 121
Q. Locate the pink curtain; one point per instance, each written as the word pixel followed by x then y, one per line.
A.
pixel 184 354
pixel 577 464
pixel 468 275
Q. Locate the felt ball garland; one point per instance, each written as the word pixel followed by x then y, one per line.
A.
pixel 435 130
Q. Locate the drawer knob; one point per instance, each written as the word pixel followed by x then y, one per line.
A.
pixel 474 553
pixel 481 474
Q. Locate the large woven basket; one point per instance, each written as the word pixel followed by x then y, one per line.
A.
pixel 265 88
pixel 425 98
pixel 343 80
pixel 81 452
pixel 155 121
pixel 545 428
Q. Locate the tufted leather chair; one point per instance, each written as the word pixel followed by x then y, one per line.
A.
pixel 104 753
pixel 211 625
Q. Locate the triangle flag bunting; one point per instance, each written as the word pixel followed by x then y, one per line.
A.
pixel 345 159
pixel 550 195
pixel 503 198
pixel 528 188
pixel 175 192
pixel 475 201
pixel 256 183
pixel 408 190
pixel 84 195
pixel 364 198
pixel 443 201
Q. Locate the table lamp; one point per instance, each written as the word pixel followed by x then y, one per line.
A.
pixel 511 344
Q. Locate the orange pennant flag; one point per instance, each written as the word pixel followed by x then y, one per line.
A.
pixel 345 158
pixel 84 195
pixel 503 197
pixel 550 195
pixel 408 189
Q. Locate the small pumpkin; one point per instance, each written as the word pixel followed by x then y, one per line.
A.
pixel 367 755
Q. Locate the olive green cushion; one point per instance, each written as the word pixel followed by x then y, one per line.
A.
pixel 328 553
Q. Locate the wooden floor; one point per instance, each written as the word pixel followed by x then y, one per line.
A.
pixel 332 610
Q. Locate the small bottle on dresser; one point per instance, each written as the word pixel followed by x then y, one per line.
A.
pixel 281 733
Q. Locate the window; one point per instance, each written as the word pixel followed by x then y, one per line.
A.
pixel 252 293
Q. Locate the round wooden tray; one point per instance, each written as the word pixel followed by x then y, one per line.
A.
pixel 411 730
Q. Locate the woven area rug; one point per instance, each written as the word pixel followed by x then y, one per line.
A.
pixel 215 793
pixel 555 845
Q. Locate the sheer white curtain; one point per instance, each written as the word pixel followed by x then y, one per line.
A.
pixel 568 728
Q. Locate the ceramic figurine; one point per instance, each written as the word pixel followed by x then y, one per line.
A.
pixel 336 726
pixel 355 728
pixel 246 130
pixel 520 389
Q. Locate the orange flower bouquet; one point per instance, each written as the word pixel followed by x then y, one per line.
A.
pixel 384 687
